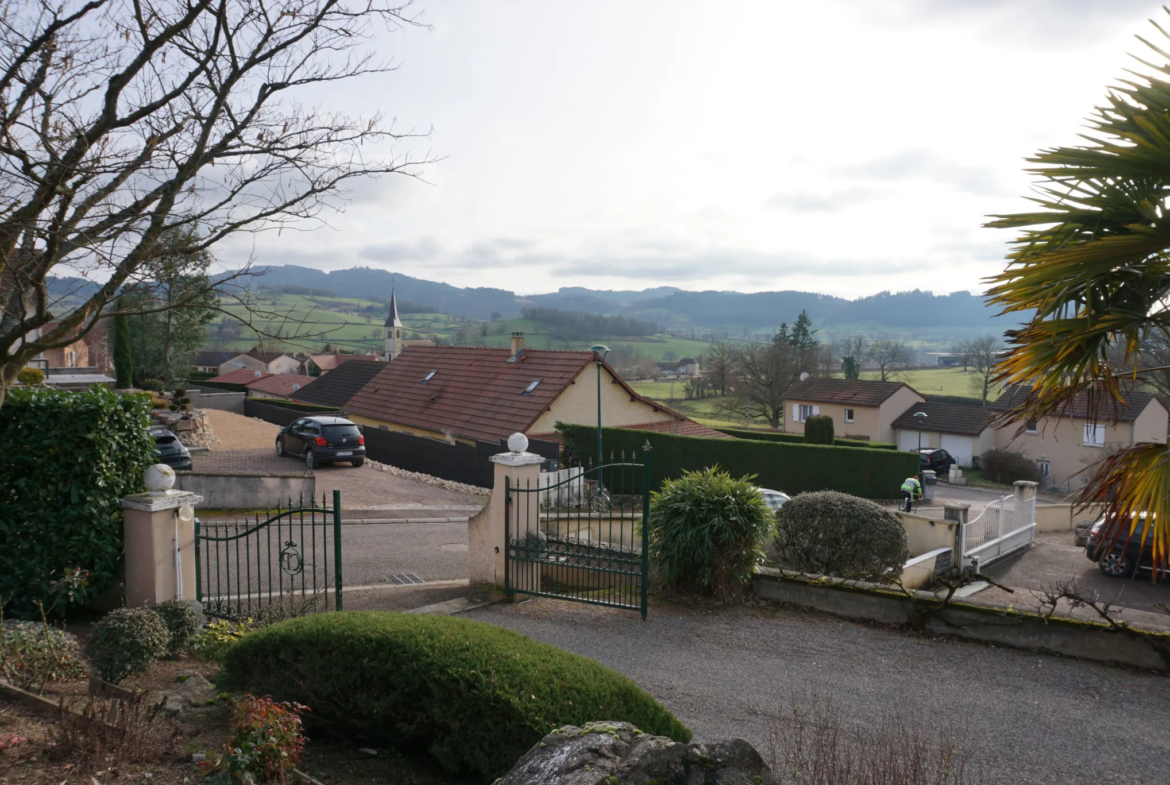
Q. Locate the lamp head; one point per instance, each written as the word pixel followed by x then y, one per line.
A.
pixel 600 350
pixel 920 416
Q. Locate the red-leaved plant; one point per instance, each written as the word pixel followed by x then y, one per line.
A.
pixel 267 741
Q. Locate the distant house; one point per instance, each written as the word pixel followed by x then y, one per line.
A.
pixel 210 362
pixel 266 362
pixel 277 385
pixel 963 431
pixel 87 351
pixel 240 377
pixel 335 389
pixel 1069 443
pixel 321 364
pixel 465 394
pixel 687 366
pixel 860 408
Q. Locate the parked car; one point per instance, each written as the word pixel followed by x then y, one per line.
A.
pixel 936 460
pixel 168 449
pixel 321 440
pixel 775 499
pixel 1118 552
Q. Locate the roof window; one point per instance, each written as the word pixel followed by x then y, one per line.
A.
pixel 532 386
pixel 429 376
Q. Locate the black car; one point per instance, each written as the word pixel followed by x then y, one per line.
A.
pixel 936 460
pixel 168 449
pixel 1118 551
pixel 322 440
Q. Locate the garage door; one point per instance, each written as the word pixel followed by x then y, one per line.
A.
pixel 961 447
pixel 908 440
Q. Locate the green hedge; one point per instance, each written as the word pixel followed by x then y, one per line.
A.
pixel 818 429
pixel 66 460
pixel 475 696
pixel 798 438
pixel 792 468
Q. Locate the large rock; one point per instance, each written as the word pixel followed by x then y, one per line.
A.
pixel 603 753
pixel 192 691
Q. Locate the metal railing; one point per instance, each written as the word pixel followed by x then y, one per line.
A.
pixel 1005 518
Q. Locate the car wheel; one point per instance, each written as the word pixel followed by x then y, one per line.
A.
pixel 1116 564
pixel 358 462
pixel 310 461
pixel 280 453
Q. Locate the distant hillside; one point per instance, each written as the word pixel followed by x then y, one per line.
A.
pixel 673 309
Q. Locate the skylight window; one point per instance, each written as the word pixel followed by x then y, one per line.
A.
pixel 528 390
pixel 429 376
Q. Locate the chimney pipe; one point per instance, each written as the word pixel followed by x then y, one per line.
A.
pixel 517 343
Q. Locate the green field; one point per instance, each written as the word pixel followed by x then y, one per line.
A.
pixel 940 381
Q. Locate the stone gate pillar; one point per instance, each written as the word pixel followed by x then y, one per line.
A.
pixel 152 532
pixel 485 531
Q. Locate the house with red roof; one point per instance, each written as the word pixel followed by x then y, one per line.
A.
pixel 277 385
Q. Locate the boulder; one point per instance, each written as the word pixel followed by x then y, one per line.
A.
pixel 191 692
pixel 602 753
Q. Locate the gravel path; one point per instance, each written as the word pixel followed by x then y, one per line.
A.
pixel 237 432
pixel 727 672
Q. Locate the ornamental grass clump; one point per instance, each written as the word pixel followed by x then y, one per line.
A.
pixel 707 531
pixel 832 533
pixel 475 696
pixel 125 642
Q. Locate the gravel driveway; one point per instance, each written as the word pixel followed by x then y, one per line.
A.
pixel 728 672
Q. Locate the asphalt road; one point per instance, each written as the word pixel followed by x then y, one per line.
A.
pixel 724 672
pixel 373 554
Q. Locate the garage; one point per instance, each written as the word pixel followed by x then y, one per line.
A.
pixel 961 447
pixel 955 427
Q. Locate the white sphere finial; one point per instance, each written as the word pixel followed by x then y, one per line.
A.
pixel 518 442
pixel 159 479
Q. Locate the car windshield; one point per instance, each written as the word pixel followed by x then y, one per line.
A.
pixel 164 438
pixel 338 431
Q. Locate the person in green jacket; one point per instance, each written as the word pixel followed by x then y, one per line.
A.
pixel 911 492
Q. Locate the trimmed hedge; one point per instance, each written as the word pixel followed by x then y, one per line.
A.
pixel 475 696
pixel 798 438
pixel 792 468
pixel 66 460
pixel 818 429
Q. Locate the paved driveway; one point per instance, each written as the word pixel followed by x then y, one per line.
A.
pixel 729 672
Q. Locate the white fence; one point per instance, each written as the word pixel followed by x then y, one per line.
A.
pixel 1004 526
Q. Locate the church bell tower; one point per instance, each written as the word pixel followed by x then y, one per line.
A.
pixel 393 330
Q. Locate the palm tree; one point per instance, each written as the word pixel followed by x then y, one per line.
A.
pixel 1091 272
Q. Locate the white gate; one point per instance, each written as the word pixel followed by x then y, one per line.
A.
pixel 1004 526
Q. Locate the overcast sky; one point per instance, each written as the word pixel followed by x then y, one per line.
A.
pixel 828 146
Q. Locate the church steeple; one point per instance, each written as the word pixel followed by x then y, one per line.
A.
pixel 393 326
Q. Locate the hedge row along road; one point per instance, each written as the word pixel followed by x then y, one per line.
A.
pixel 792 468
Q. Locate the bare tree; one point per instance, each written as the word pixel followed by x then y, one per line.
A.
pixel 852 353
pixel 123 119
pixel 720 367
pixel 983 356
pixel 962 353
pixel 765 372
pixel 890 357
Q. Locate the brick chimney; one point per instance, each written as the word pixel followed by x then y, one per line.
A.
pixel 517 343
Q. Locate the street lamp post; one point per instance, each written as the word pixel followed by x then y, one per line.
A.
pixel 919 416
pixel 599 353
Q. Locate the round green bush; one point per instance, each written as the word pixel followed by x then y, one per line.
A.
pixel 30 376
pixel 126 641
pixel 707 530
pixel 35 652
pixel 183 622
pixel 477 697
pixel 833 533
pixel 1005 466
pixel 152 385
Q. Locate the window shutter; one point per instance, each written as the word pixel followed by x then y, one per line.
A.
pixel 796 412
pixel 816 410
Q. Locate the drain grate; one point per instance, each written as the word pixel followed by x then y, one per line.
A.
pixel 404 578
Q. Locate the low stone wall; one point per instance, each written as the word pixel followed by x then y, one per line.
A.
pixel 1063 518
pixel 230 490
pixel 966 618
pixel 206 398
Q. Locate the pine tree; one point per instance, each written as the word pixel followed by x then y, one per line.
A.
pixel 123 365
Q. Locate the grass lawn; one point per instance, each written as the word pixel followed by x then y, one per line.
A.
pixel 939 381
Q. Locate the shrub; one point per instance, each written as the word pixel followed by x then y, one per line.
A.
pixel 266 743
pixel 818 429
pixel 1004 466
pixel 66 459
pixel 179 401
pixel 152 385
pixel 126 641
pixel 830 533
pixel 30 376
pixel 182 620
pixel 34 653
pixel 706 530
pixel 218 636
pixel 475 696
pixel 108 731
pixel 792 468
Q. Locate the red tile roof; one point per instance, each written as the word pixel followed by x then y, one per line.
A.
pixel 947 418
pixel 1083 407
pixel 334 389
pixel 475 393
pixel 860 392
pixel 682 427
pixel 279 383
pixel 327 362
pixel 241 376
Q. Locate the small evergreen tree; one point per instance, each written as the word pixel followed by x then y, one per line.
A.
pixel 818 429
pixel 123 364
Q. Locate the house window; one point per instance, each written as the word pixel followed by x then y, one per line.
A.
pixel 429 376
pixel 531 387
pixel 1045 468
pixel 1030 427
pixel 1094 435
pixel 805 412
pixel 848 415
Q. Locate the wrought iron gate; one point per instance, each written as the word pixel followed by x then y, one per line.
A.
pixel 273 568
pixel 582 537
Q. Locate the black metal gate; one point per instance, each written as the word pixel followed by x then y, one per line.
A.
pixel 271 569
pixel 581 535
